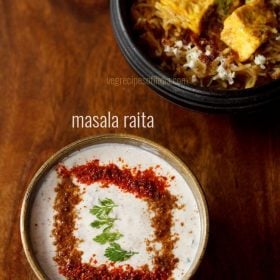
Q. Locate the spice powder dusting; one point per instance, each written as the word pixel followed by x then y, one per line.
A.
pixel 145 185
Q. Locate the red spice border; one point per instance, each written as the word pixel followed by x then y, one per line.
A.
pixel 144 185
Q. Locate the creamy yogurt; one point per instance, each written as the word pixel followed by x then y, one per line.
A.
pixel 133 217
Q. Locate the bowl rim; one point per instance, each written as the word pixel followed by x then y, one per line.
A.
pixel 128 139
pixel 138 60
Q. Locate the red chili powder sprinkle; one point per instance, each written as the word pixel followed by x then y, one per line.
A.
pixel 143 184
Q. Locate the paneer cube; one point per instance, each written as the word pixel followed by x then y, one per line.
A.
pixel 246 29
pixel 183 14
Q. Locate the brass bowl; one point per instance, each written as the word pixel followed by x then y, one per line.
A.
pixel 139 142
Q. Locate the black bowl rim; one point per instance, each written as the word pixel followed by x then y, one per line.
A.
pixel 196 97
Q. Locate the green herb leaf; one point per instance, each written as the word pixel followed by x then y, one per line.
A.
pixel 108 202
pixel 107 237
pixel 102 212
pixel 116 254
pixel 109 222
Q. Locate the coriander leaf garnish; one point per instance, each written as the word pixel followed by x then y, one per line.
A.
pixel 107 237
pixel 104 210
pixel 116 254
pixel 108 202
pixel 109 222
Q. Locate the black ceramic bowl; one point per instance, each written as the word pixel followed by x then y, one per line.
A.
pixel 203 99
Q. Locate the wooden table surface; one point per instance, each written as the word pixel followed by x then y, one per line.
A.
pixel 55 60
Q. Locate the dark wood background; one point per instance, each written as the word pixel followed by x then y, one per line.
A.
pixel 55 58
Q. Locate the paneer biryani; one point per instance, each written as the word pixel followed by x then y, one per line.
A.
pixel 220 44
